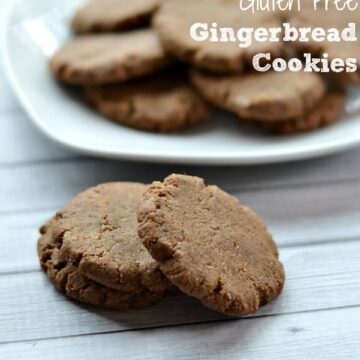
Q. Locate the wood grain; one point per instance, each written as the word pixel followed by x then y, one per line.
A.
pixel 330 335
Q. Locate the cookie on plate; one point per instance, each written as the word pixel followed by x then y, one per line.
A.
pixel 175 18
pixel 108 58
pixel 97 233
pixel 266 97
pixel 163 102
pixel 334 19
pixel 68 279
pixel 113 15
pixel 325 113
pixel 209 245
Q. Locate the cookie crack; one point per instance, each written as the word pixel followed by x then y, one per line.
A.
pixel 219 286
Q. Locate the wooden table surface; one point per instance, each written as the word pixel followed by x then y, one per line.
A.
pixel 312 209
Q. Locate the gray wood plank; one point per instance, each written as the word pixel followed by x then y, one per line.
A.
pixel 318 277
pixel 22 142
pixel 330 335
pixel 34 147
pixel 50 185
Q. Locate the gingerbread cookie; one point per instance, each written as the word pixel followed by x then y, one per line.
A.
pixel 330 19
pixel 325 113
pixel 113 15
pixel 270 96
pixel 163 102
pixel 108 58
pixel 97 233
pixel 209 245
pixel 68 279
pixel 175 18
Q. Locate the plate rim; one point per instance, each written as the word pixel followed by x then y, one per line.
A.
pixel 314 151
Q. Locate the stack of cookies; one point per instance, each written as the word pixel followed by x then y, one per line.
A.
pixel 127 74
pixel 157 78
pixel 127 245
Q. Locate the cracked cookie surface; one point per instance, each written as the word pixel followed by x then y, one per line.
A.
pixel 97 233
pixel 68 279
pixel 108 58
pixel 209 245
pixel 113 15
pixel 164 102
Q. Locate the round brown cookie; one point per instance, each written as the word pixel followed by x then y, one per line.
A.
pixel 209 245
pixel 325 113
pixel 334 19
pixel 175 18
pixel 68 279
pixel 108 58
pixel 270 96
pixel 112 15
pixel 97 232
pixel 163 102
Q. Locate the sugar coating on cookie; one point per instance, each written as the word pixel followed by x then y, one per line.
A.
pixel 97 232
pixel 108 58
pixel 112 15
pixel 68 279
pixel 325 113
pixel 164 102
pixel 175 18
pixel 270 96
pixel 209 245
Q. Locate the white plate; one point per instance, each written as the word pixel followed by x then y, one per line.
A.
pixel 35 28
